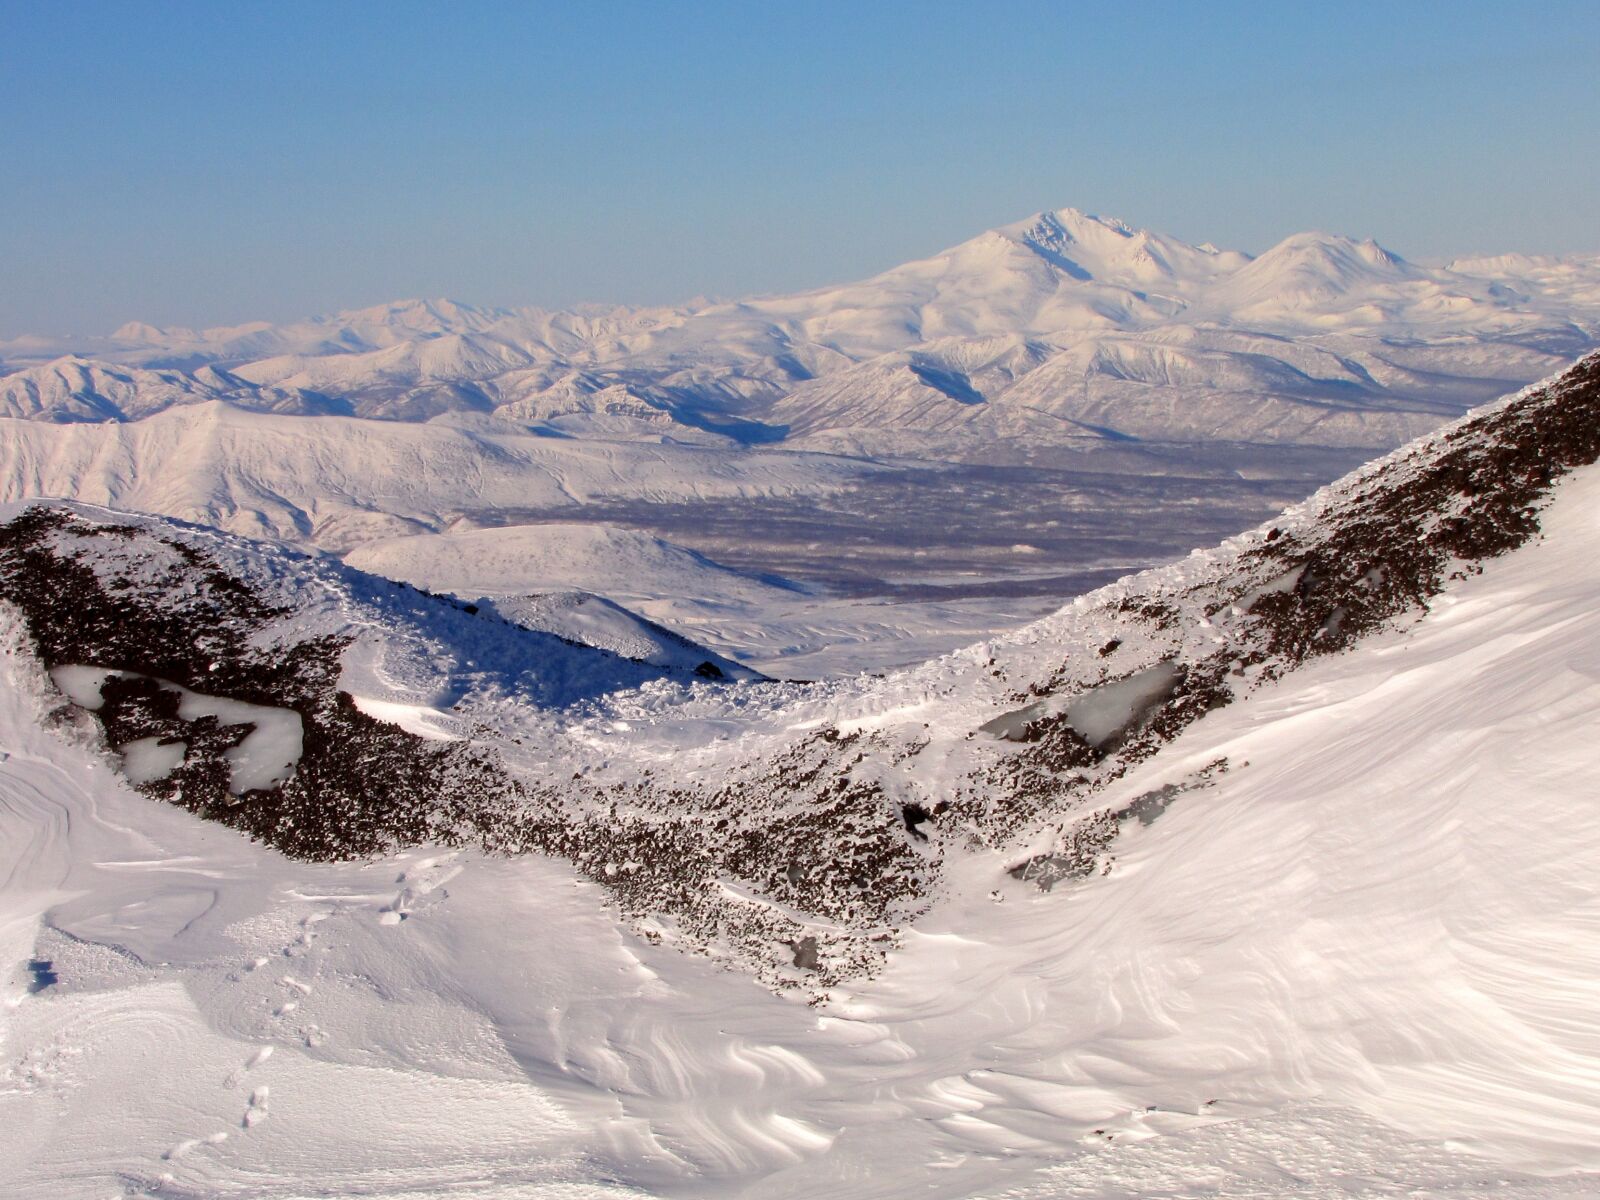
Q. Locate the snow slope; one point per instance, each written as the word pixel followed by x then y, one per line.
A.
pixel 1358 961
pixel 622 564
pixel 543 576
pixel 602 623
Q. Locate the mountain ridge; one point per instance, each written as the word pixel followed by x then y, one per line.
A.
pixel 881 356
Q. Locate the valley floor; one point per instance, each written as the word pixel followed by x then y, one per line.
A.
pixel 901 568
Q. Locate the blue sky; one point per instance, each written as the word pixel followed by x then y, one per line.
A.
pixel 208 163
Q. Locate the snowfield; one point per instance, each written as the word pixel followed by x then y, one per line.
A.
pixel 1331 935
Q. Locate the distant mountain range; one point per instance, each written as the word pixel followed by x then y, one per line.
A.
pixel 1064 327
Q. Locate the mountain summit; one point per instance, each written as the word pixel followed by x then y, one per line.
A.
pixel 1029 334
pixel 1104 248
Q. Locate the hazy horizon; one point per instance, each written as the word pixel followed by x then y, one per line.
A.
pixel 186 165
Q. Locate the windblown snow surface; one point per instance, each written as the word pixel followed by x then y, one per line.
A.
pixel 1310 909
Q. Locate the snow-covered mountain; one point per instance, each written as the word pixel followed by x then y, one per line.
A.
pixel 337 482
pixel 1269 870
pixel 74 389
pixel 1057 327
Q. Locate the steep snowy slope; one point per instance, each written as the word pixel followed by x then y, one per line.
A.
pixel 1268 874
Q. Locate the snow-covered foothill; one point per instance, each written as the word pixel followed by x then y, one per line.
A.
pixel 337 482
pixel 602 623
pixel 623 564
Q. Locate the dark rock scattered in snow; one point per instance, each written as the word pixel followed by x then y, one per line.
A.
pixel 825 840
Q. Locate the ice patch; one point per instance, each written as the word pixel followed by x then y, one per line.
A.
pixel 265 758
pixel 146 760
pixel 1100 715
pixel 82 685
pixel 418 719
pixel 268 754
pixel 1286 582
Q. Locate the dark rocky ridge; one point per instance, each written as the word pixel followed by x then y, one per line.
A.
pixel 835 842
pixel 362 787
pixel 148 599
pixel 1385 541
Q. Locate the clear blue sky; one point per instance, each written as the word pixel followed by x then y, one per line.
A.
pixel 214 162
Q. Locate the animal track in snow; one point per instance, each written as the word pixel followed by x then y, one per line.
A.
pixel 307 934
pixel 418 881
pixel 255 964
pixel 191 1144
pixel 295 986
pixel 236 1077
pixel 256 1111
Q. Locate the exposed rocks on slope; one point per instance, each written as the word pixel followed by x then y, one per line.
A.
pixel 800 858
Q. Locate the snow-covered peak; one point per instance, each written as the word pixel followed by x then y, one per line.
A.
pixel 1057 280
pixel 1322 279
pixel 1334 257
pixel 1069 225
pixel 1111 250
pixel 427 317
pixel 143 333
